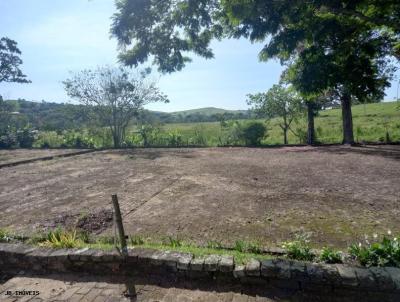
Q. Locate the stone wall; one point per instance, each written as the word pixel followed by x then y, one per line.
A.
pixel 370 284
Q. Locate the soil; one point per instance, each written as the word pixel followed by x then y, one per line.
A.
pixel 11 156
pixel 337 194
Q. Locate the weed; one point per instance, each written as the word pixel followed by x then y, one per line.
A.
pixel 329 255
pixel 299 248
pixel 174 242
pixel 137 240
pixel 240 246
pixel 62 239
pixel 384 253
pixel 214 245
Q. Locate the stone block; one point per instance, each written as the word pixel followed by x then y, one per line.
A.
pixel 239 271
pixel 211 263
pixel 184 261
pixel 383 278
pixel 252 268
pixel 226 264
pixel 394 273
pixel 365 278
pixel 347 275
pixel 197 264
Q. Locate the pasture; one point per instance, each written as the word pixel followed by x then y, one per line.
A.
pixel 337 194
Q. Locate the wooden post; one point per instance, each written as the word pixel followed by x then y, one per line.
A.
pixel 120 226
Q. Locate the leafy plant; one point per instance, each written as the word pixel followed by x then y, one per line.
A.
pixel 299 248
pixel 174 242
pixel 137 240
pixel 384 253
pixel 253 133
pixel 5 236
pixel 214 245
pixel 62 239
pixel 329 255
pixel 240 246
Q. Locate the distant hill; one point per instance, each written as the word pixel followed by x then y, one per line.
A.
pixel 208 111
pixel 60 116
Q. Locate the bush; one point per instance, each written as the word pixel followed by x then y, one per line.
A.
pixel 384 253
pixel 25 138
pixel 253 133
pixel 329 255
pixel 62 239
pixel 8 140
pixel 299 249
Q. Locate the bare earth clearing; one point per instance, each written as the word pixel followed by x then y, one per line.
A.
pixel 221 194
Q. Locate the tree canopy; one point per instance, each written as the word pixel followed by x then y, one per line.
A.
pixel 10 61
pixel 114 95
pixel 344 46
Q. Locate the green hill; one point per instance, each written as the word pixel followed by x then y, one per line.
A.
pixel 208 111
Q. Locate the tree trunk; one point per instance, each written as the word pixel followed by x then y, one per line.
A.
pixel 347 118
pixel 285 140
pixel 310 124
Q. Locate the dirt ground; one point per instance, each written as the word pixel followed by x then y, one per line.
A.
pixel 336 193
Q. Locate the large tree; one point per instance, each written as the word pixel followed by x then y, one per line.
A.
pixel 280 102
pixel 10 61
pixel 355 38
pixel 114 95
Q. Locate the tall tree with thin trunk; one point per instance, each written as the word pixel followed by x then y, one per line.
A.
pixel 114 95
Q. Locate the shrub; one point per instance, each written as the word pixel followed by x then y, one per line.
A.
pixel 5 236
pixel 25 138
pixel 8 140
pixel 62 239
pixel 299 249
pixel 384 253
pixel 329 255
pixel 253 133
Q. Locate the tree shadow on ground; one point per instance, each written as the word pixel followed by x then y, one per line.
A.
pixel 387 151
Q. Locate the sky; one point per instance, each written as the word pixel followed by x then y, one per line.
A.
pixel 60 37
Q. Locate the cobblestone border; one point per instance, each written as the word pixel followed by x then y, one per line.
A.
pixel 281 273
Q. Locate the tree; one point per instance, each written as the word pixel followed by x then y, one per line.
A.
pixel 114 95
pixel 277 102
pixel 10 61
pixel 348 42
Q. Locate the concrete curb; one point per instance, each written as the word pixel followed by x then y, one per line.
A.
pixel 281 273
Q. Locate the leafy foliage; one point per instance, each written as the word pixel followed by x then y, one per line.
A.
pixel 253 133
pixel 299 248
pixel 62 239
pixel 384 253
pixel 10 61
pixel 114 95
pixel 277 102
pixel 329 255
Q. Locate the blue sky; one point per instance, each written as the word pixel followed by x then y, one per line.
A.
pixel 57 37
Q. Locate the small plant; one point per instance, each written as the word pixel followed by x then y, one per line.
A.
pixel 240 246
pixel 137 240
pixel 174 242
pixel 62 239
pixel 384 253
pixel 214 245
pixel 253 133
pixel 254 247
pixel 329 255
pixel 299 248
pixel 5 236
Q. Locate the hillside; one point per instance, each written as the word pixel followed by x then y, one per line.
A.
pixel 208 111
pixel 59 116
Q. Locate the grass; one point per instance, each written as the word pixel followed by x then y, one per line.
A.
pixel 371 122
